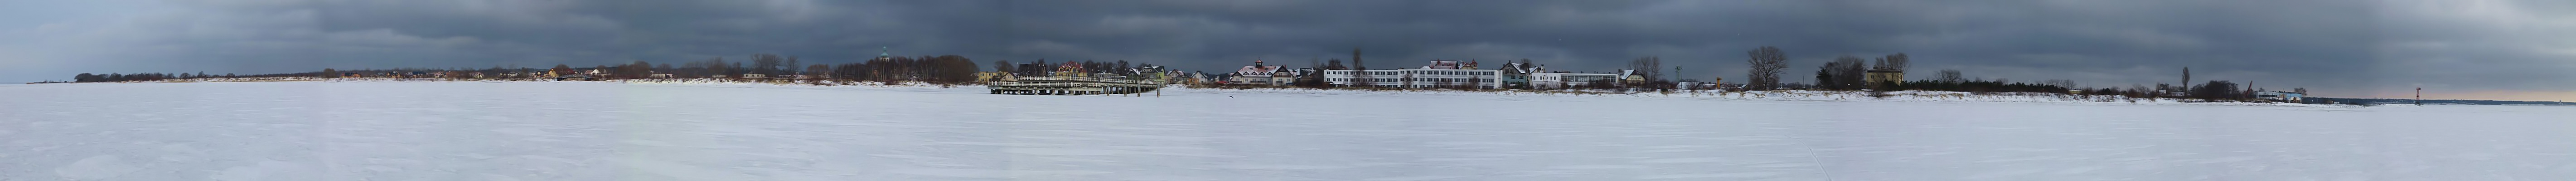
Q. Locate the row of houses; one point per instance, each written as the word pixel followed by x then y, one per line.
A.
pixel 1437 74
pixel 1075 69
pixel 414 74
pixel 576 74
pixel 2280 96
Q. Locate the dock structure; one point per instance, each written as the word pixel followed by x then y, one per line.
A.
pixel 1064 85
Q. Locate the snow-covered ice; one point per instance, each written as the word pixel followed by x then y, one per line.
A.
pixel 616 131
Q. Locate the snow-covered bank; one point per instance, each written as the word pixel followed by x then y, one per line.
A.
pixel 619 131
pixel 1787 95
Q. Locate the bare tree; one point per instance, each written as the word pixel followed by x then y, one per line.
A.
pixel 1951 76
pixel 2186 79
pixel 2301 90
pixel 1002 66
pixel 2141 89
pixel 1766 64
pixel 1896 62
pixel 765 63
pixel 819 70
pixel 1122 68
pixel 1844 73
pixel 1360 76
pixel 639 69
pixel 790 67
pixel 1405 81
pixel 1648 66
pixel 1441 83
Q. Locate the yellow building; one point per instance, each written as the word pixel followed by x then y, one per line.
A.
pixel 986 77
pixel 1631 78
pixel 1882 75
pixel 1719 83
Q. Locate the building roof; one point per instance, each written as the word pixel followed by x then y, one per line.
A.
pixel 1583 74
pixel 1442 64
pixel 1257 69
pixel 1518 68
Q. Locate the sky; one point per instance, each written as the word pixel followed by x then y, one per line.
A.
pixel 2455 49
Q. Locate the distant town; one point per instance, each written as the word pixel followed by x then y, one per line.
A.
pixel 1041 77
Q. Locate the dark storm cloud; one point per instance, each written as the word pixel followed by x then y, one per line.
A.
pixel 2357 47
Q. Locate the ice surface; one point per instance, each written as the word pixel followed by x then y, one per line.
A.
pixel 614 131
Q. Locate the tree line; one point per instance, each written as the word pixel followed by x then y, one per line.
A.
pixel 944 69
pixel 1766 64
pixel 119 77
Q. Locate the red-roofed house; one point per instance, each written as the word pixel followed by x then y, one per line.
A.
pixel 1258 74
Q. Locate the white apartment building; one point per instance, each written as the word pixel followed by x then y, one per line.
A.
pixel 1419 78
pixel 1567 80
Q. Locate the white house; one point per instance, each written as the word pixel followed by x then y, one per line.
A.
pixel 2279 96
pixel 1519 73
pixel 1257 74
pixel 1286 76
pixel 1694 85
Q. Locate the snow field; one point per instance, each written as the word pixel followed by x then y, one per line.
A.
pixel 684 131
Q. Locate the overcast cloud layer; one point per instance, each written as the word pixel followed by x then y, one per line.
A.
pixel 2467 49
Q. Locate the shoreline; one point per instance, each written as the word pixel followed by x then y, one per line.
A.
pixel 1787 95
